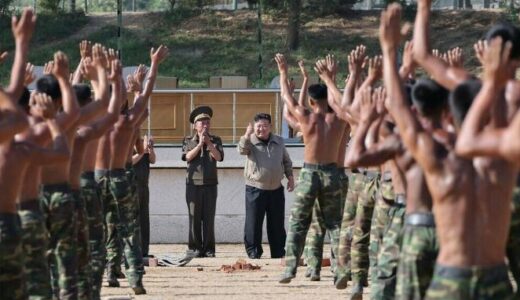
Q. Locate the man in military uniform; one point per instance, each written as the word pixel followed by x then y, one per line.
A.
pixel 202 151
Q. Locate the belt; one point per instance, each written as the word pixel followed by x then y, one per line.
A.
pixel 33 205
pixel 400 199
pixel 371 174
pixel 117 172
pixel 386 176
pixel 420 219
pixel 320 166
pixel 100 173
pixel 59 187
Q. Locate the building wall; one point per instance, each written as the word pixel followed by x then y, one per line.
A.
pixel 168 209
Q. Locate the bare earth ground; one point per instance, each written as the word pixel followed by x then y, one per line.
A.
pixel 210 283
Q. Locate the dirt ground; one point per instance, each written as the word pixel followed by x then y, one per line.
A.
pixel 209 283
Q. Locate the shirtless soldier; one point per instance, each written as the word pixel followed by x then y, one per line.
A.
pixel 319 177
pixel 120 142
pixel 465 205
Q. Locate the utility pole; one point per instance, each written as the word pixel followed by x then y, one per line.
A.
pixel 259 32
pixel 119 28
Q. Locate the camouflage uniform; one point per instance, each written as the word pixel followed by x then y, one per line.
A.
pixel 127 212
pixel 380 219
pixel 483 283
pixel 12 280
pixel 321 182
pixel 113 240
pixel 132 181
pixel 84 268
pixel 59 209
pixel 35 242
pixel 355 188
pixel 418 254
pixel 313 251
pixel 361 230
pixel 513 244
pixel 94 208
pixel 384 281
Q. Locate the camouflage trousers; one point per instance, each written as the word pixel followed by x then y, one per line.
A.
pixel 319 183
pixel 12 279
pixel 513 244
pixel 113 244
pixel 126 218
pixel 132 181
pixel 35 242
pixel 483 283
pixel 361 230
pixel 356 183
pixel 313 251
pixel 84 267
pixel 419 251
pixel 94 208
pixel 59 209
pixel 380 219
pixel 384 281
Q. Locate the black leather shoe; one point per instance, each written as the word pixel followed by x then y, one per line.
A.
pixel 209 254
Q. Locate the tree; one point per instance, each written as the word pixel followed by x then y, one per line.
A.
pixel 172 4
pixel 4 6
pixel 52 6
pixel 293 24
pixel 72 5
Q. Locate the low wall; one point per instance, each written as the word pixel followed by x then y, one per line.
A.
pixel 168 209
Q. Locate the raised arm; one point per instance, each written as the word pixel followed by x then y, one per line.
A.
pixel 407 70
pixel 447 76
pixel 97 128
pixel 96 71
pixel 70 114
pixel 474 138
pixel 141 102
pixel 305 83
pixel 85 51
pixel 355 67
pixel 294 108
pixel 361 155
pixel 416 140
pixel 22 32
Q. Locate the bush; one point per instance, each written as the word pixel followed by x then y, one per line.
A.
pixel 49 6
pixel 4 7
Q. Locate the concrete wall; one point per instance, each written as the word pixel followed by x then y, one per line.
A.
pixel 168 209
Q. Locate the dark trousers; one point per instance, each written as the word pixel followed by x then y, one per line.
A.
pixel 202 202
pixel 144 214
pixel 260 203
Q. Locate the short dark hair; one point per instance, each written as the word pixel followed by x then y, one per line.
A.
pixel 24 99
pixel 83 93
pixel 508 32
pixel 49 85
pixel 317 92
pixel 262 116
pixel 429 98
pixel 462 97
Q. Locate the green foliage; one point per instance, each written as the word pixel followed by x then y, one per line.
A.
pixel 49 6
pixel 4 6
